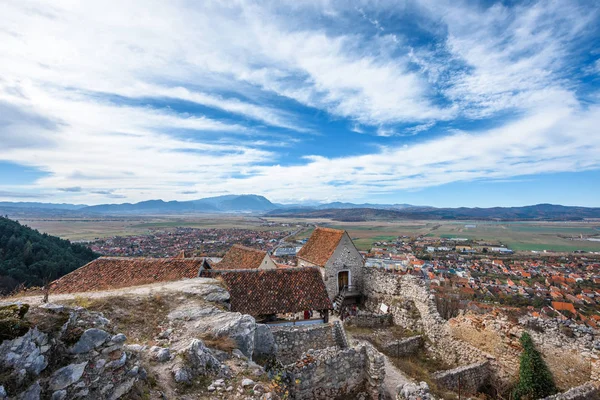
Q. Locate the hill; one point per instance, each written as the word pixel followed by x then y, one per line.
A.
pixel 30 257
pixel 539 212
pixel 228 203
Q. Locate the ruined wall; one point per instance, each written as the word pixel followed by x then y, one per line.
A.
pixel 370 320
pixel 403 347
pixel 331 373
pixel 396 291
pixel 293 341
pixel 469 377
pixel 345 257
pixel 583 392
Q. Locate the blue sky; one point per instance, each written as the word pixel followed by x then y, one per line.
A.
pixel 443 103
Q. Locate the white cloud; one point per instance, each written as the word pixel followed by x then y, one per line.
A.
pixel 65 65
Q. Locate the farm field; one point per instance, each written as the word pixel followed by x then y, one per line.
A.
pixel 82 229
pixel 519 236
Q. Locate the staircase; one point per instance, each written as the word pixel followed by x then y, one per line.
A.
pixel 340 335
pixel 338 302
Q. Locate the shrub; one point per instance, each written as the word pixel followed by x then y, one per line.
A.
pixel 535 379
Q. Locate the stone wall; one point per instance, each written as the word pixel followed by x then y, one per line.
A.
pixel 403 347
pixel 583 392
pixel 344 258
pixel 293 341
pixel 469 377
pixel 331 373
pixel 370 320
pixel 399 291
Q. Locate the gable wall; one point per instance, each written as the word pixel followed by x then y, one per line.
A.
pixel 345 257
pixel 267 263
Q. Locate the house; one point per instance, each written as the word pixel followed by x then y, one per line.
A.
pixel 265 293
pixel 107 273
pixel 340 263
pixel 242 257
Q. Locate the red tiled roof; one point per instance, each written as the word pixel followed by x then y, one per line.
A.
pixel 117 272
pixel 241 257
pixel 562 306
pixel 273 291
pixel 321 245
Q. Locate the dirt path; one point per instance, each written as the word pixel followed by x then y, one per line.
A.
pixel 195 285
pixel 393 378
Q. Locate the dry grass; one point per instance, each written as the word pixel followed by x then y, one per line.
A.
pixel 220 343
pixel 139 318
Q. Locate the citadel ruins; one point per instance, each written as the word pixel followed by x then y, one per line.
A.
pixel 248 327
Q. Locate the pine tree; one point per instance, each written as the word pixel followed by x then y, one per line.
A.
pixel 535 379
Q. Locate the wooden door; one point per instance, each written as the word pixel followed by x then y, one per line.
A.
pixel 343 280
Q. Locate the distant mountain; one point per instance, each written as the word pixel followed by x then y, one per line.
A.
pixel 54 206
pixel 541 212
pixel 30 257
pixel 228 203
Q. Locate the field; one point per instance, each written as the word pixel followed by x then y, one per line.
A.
pixel 519 236
pixel 82 229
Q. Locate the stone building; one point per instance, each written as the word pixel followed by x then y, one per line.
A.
pixel 339 261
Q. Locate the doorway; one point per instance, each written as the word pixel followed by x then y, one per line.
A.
pixel 343 280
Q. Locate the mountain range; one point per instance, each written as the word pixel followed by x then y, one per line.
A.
pixel 249 203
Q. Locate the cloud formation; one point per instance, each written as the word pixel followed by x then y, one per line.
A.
pixel 144 100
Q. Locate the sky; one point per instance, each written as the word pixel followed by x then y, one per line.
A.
pixel 431 102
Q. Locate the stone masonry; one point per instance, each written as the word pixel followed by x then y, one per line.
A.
pixel 331 373
pixel 469 377
pixel 293 341
pixel 344 258
pixel 392 289
pixel 403 347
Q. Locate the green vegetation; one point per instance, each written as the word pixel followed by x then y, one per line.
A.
pixel 32 258
pixel 535 379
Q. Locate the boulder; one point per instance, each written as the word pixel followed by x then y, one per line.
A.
pixel 264 342
pixel 25 352
pixel 219 323
pixel 66 376
pixel 89 340
pixel 33 392
pixel 200 358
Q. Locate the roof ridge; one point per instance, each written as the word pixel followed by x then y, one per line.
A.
pixel 327 229
pixel 257 270
pixel 241 246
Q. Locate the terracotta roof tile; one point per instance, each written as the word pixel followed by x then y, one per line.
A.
pixel 562 306
pixel 117 272
pixel 241 257
pixel 272 291
pixel 321 245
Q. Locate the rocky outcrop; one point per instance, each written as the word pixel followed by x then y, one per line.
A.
pixel 197 360
pixel 69 353
pixel 414 391
pixel 210 320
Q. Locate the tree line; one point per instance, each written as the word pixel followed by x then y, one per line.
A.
pixel 32 258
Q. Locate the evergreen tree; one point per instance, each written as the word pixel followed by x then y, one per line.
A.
pixel 32 258
pixel 535 379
